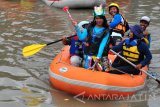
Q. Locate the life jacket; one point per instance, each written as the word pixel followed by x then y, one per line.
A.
pixel 148 41
pixel 76 46
pixel 93 41
pixel 122 27
pixel 130 50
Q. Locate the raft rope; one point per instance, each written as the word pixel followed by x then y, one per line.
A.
pixel 60 56
pixel 60 59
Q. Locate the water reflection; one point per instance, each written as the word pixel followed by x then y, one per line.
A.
pixel 69 101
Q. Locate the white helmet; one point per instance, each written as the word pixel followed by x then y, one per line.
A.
pixel 146 18
pixel 75 60
pixel 82 23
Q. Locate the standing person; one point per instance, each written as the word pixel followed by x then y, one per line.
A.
pixel 76 45
pixel 119 25
pixel 144 23
pixel 93 35
pixel 134 50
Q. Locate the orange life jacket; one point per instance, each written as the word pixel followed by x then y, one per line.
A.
pixel 121 27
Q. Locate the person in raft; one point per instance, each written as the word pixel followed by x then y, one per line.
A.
pixel 144 23
pixel 134 50
pixel 118 25
pixel 93 35
pixel 76 46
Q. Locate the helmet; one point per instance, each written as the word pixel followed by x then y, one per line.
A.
pixel 83 24
pixel 75 60
pixel 114 5
pixel 145 18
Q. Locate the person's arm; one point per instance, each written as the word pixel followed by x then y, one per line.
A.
pixel 116 20
pixel 66 41
pixel 119 47
pixel 69 41
pixel 103 43
pixel 143 49
pixel 81 35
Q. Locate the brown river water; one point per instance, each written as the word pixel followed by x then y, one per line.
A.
pixel 24 81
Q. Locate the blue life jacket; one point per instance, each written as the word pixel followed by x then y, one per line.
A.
pixel 76 46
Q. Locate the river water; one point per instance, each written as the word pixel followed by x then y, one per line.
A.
pixel 24 81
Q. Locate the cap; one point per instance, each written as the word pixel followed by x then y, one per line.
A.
pixel 146 18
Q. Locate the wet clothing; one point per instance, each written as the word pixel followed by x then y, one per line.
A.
pixel 144 57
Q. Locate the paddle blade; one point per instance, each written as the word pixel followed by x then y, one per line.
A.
pixel 32 49
pixel 65 8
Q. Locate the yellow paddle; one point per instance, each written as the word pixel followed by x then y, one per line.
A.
pixel 34 48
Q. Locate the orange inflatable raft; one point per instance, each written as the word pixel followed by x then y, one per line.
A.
pixel 76 80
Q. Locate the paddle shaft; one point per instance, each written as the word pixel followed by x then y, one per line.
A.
pixel 135 66
pixel 66 9
pixel 69 15
pixel 60 40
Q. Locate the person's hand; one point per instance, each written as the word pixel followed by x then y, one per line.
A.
pixel 74 23
pixel 99 67
pixel 123 39
pixel 64 41
pixel 139 66
pixel 97 60
pixel 145 33
pixel 110 52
